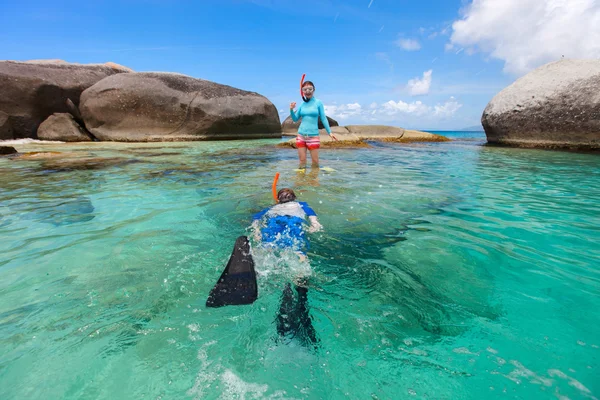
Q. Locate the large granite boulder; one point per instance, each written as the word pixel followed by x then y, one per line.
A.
pixel 63 127
pixel 289 126
pixel 154 106
pixel 556 105
pixel 32 91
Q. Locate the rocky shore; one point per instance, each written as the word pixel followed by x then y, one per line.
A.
pixel 360 135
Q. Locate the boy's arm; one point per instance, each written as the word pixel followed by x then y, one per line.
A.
pixel 255 227
pixel 315 226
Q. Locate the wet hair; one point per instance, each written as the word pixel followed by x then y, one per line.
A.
pixel 286 195
pixel 306 83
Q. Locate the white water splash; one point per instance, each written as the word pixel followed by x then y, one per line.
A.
pixel 27 141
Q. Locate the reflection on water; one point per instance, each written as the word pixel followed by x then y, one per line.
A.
pixel 307 177
pixel 445 270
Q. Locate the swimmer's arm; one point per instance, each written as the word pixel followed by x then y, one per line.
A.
pixel 324 118
pixel 315 225
pixel 295 115
pixel 255 228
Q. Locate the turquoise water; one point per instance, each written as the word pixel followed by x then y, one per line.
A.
pixel 445 271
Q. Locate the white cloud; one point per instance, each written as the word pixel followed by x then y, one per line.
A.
pixel 392 110
pixel 408 44
pixel 528 33
pixel 344 111
pixel 447 109
pixel 417 87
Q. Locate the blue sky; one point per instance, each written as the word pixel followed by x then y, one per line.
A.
pixel 424 65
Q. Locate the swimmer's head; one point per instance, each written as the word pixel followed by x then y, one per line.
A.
pixel 286 195
pixel 308 88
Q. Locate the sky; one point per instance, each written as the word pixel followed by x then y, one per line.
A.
pixel 431 65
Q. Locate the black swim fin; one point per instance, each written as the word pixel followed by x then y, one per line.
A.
pixel 237 284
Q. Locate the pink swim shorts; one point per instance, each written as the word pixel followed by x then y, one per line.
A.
pixel 310 142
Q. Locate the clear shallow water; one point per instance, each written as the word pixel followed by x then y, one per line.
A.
pixel 446 270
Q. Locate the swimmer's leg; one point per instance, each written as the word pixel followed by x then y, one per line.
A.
pixel 285 318
pixel 302 157
pixel 305 331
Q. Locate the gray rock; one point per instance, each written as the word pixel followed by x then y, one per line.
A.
pixel 368 131
pixel 63 127
pixel 6 150
pixel 289 126
pixel 556 105
pixel 32 91
pixel 74 111
pixel 5 128
pixel 152 106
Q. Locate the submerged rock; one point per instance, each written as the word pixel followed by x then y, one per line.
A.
pixel 41 155
pixel 88 163
pixel 141 107
pixel 7 150
pixel 34 90
pixel 66 211
pixel 63 127
pixel 57 211
pixel 555 106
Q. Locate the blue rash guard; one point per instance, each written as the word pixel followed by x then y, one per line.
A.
pixel 284 224
pixel 310 112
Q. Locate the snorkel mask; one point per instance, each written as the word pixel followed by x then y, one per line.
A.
pixel 311 88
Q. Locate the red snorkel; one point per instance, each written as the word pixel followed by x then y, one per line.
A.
pixel 302 83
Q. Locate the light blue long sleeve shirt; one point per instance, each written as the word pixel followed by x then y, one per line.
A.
pixel 310 112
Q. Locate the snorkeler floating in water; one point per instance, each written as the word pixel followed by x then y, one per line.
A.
pixel 284 223
pixel 281 226
pixel 284 226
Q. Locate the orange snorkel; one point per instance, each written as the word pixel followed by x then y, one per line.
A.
pixel 274 187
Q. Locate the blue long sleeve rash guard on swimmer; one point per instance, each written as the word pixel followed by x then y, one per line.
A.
pixel 310 112
pixel 284 224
